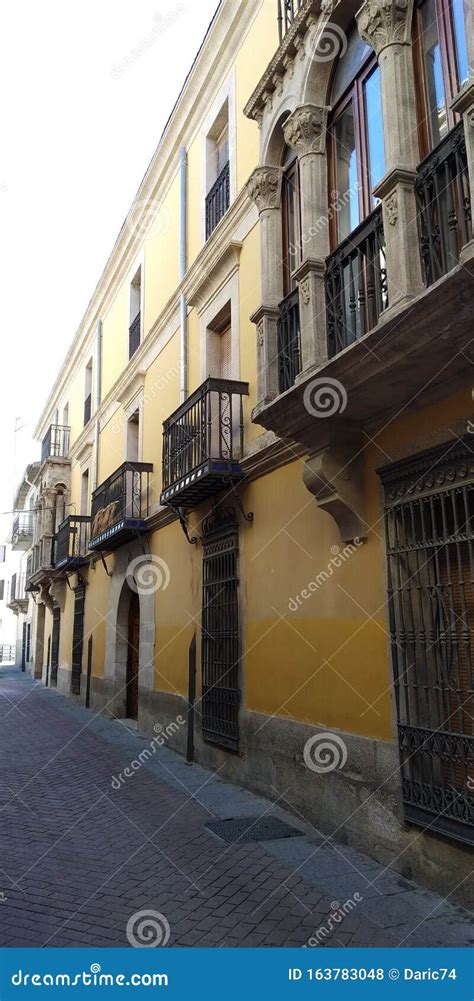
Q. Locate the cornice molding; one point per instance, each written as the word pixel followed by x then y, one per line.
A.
pixel 217 269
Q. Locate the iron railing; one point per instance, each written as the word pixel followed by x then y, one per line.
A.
pixel 55 444
pixel 121 501
pixel 287 12
pixel 289 341
pixel 134 335
pixel 429 512
pixel 204 435
pixel 17 588
pixel 356 284
pixel 7 653
pixel 218 200
pixel 72 541
pixel 87 409
pixel 443 204
pixel 22 530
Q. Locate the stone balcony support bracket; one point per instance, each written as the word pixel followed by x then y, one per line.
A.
pixel 334 476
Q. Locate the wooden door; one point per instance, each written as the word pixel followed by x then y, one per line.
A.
pixel 132 656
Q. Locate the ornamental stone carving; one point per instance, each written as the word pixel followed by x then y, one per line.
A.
pixel 305 129
pixel 264 187
pixel 384 22
pixel 391 205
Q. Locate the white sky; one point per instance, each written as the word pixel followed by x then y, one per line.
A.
pixel 86 91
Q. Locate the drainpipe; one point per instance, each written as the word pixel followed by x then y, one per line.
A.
pixel 98 391
pixel 183 330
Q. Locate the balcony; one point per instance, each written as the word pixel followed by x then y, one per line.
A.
pixel 287 12
pixel 444 207
pixel 289 341
pixel 22 531
pixel 72 542
pixel 217 200
pixel 18 597
pixel 203 443
pixel 55 444
pixel 39 566
pixel 134 335
pixel 120 506
pixel 356 284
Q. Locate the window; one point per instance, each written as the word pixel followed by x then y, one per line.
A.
pixel 66 415
pixel 60 510
pixel 2 589
pixel 220 632
pixel 217 170
pixel 88 393
pixel 441 66
pixel 291 220
pixel 85 492
pixel 356 146
pixel 134 329
pixel 133 437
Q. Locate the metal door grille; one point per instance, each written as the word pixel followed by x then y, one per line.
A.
pixel 77 639
pixel 55 645
pixel 220 632
pixel 429 517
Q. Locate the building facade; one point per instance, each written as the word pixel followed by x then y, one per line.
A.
pixel 261 440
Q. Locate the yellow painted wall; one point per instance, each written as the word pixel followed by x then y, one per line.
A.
pixel 161 251
pixel 115 339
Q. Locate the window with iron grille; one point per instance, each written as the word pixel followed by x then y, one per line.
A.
pixel 55 644
pixel 220 631
pixel 77 639
pixel 429 514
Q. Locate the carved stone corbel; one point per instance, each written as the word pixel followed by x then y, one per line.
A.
pixel 305 129
pixel 385 22
pixel 57 591
pixel 334 476
pixel 264 187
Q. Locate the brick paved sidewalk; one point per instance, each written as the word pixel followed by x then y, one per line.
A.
pixel 78 858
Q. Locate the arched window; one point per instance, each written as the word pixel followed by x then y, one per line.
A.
pixel 441 66
pixel 356 145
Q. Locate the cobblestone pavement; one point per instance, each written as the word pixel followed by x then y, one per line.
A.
pixel 78 858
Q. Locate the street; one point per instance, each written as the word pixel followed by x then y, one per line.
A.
pixel 84 858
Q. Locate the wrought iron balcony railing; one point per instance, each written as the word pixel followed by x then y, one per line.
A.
pixel 120 506
pixel 203 442
pixel 87 409
pixel 72 542
pixel 7 653
pixel 356 284
pixel 56 442
pixel 289 341
pixel 287 12
pixel 18 597
pixel 218 200
pixel 22 531
pixel 134 335
pixel 444 206
pixel 40 566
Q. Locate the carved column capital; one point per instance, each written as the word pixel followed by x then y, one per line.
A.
pixel 264 187
pixel 305 129
pixel 385 22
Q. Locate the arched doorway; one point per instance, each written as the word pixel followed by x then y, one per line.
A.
pixel 133 645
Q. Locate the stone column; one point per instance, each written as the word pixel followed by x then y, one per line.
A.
pixel 305 132
pixel 386 26
pixel 464 105
pixel 264 188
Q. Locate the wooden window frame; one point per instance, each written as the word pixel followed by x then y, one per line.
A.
pixel 449 67
pixel 353 95
pixel 290 169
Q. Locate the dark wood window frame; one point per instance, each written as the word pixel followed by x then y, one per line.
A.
pixel 291 172
pixel 450 70
pixel 354 95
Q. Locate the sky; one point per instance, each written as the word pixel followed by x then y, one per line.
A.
pixel 86 92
